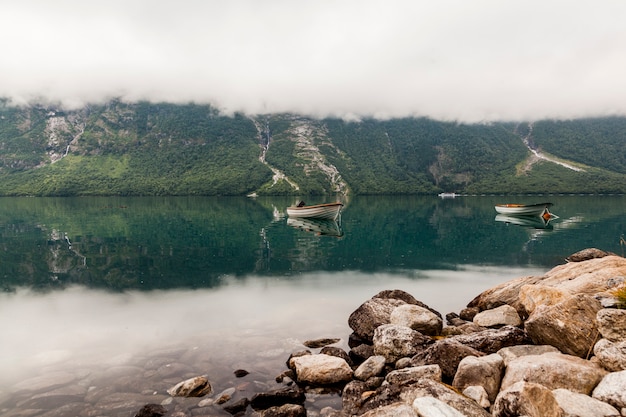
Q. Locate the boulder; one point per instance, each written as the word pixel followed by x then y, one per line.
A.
pixel 574 404
pixel 492 340
pixel 554 370
pixel 398 409
pixel 569 325
pixel 505 293
pixel 429 406
pixel 485 371
pixel 611 355
pixel 371 314
pixel 612 390
pixel 198 386
pixel 514 352
pixel 589 277
pixel 447 353
pixel 414 373
pixel 406 297
pixel 478 394
pixel 394 341
pixel 321 369
pixel 498 317
pixel 151 410
pixel 532 296
pixel 373 366
pixel 417 318
pixel 526 399
pixel 612 324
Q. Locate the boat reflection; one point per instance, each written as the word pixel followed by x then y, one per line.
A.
pixel 536 222
pixel 322 227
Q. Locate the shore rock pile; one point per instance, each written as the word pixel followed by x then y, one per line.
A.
pixel 537 346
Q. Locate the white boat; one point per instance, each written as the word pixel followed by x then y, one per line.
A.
pixel 540 209
pixel 447 195
pixel 318 211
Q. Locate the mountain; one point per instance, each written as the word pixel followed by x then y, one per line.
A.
pixel 143 148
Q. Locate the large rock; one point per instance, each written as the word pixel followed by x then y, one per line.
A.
pixel 532 296
pixel 575 405
pixel 417 318
pixel 612 390
pixel 398 409
pixel 589 277
pixel 612 324
pixel 526 399
pixel 413 374
pixel 371 314
pixel 321 369
pixel 497 317
pixel 569 325
pixel 554 370
pixel 611 355
pixel 394 342
pixel 429 406
pixel 492 340
pixel 446 353
pixel 485 371
pixel 372 366
pixel 513 352
pixel 505 293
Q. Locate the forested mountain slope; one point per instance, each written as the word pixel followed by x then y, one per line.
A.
pixel 166 149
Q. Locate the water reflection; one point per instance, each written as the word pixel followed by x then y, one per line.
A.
pixel 319 227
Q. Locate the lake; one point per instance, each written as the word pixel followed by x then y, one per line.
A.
pixel 103 296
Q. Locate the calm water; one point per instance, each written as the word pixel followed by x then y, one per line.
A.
pixel 219 284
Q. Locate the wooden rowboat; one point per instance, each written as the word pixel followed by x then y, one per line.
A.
pixel 540 209
pixel 318 211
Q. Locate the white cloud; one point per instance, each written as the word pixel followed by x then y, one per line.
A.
pixel 450 59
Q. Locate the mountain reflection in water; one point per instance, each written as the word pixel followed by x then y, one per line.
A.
pixel 161 288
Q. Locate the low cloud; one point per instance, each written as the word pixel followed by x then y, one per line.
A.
pixel 473 61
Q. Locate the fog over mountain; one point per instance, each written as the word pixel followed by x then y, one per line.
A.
pixel 479 60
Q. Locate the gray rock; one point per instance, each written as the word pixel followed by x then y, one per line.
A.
pixel 417 318
pixel 371 314
pixel 394 342
pixel 198 386
pixel 612 324
pixel 372 366
pixel 413 374
pixel 611 355
pixel 612 389
pixel 321 369
pixel 492 340
pixel 554 370
pixel 447 353
pixel 432 407
pixel 514 352
pixel 478 394
pixel 580 405
pixel 398 409
pixel 485 371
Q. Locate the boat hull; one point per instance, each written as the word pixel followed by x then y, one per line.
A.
pixel 523 209
pixel 319 211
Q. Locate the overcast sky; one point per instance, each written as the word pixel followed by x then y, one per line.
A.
pixel 468 60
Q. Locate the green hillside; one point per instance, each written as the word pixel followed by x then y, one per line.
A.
pixel 166 149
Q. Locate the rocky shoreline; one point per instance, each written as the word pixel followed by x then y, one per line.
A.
pixel 550 345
